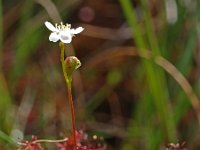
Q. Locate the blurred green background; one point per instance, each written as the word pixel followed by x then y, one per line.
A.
pixel 138 86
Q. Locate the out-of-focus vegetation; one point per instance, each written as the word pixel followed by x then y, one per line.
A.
pixel 138 86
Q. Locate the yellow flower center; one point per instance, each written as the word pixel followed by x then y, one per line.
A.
pixel 62 26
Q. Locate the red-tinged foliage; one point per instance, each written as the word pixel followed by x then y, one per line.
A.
pixel 84 142
pixel 31 145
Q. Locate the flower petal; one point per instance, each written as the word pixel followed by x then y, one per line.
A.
pixel 77 30
pixel 65 37
pixel 54 37
pixel 51 27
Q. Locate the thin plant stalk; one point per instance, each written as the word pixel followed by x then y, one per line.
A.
pixel 68 81
pixel 158 90
pixel 72 111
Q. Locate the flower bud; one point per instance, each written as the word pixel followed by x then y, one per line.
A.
pixel 71 64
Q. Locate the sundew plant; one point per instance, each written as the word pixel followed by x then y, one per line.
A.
pixel 78 140
pixel 100 74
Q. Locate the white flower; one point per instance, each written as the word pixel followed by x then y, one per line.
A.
pixel 62 32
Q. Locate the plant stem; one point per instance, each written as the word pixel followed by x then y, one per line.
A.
pixel 46 141
pixel 72 111
pixel 68 80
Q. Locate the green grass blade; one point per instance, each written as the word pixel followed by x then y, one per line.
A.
pixel 5 99
pixel 155 76
pixel 186 58
pixel 29 36
pixel 6 139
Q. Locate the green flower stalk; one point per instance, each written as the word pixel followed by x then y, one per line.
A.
pixel 64 33
pixel 69 65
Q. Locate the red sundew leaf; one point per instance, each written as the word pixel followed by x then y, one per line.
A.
pixel 84 142
pixel 30 145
